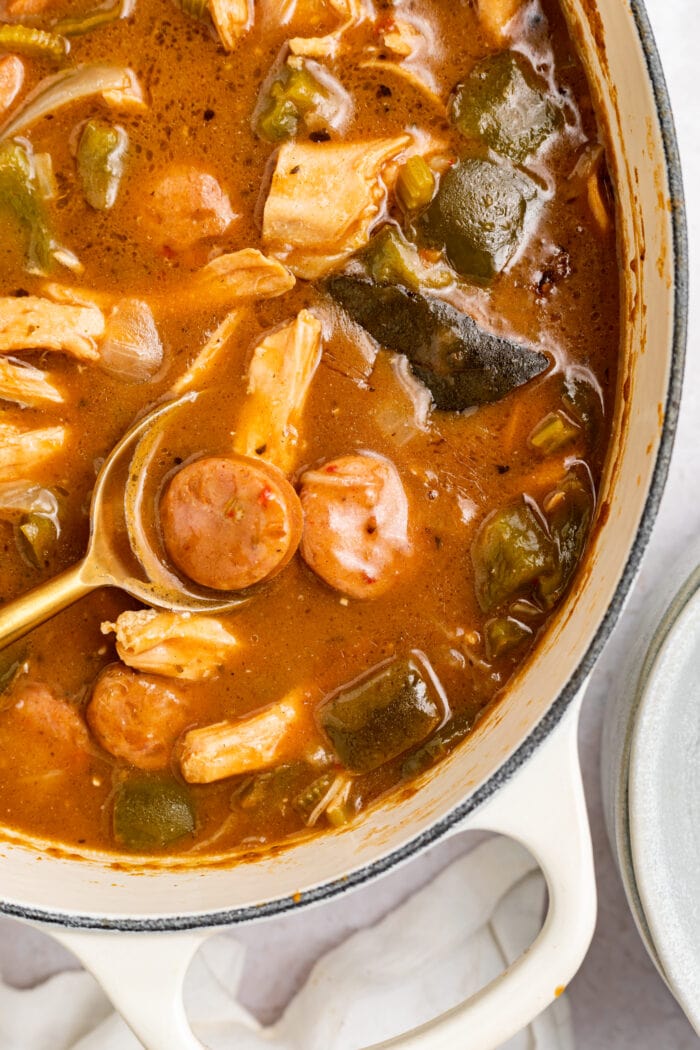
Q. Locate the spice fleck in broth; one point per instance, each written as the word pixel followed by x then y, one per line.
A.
pixel 379 240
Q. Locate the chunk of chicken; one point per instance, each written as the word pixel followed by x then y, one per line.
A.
pixel 225 281
pixel 11 80
pixel 19 9
pixel 178 645
pixel 246 745
pixel 137 717
pixel 324 200
pixel 230 278
pixel 209 354
pixel 495 15
pixel 402 37
pixel 59 734
pixel 279 377
pixel 229 522
pixel 356 530
pixel 23 450
pixel 184 207
pixel 26 385
pixel 352 11
pixel 32 323
pixel 232 18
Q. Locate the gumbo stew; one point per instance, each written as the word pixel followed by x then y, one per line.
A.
pixel 378 240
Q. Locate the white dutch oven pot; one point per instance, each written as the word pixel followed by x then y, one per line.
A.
pixel 519 773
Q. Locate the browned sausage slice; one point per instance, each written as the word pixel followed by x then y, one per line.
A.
pixel 230 522
pixel 356 527
pixel 137 717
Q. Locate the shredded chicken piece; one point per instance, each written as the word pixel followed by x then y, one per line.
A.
pixel 209 354
pixel 232 18
pixel 279 377
pixel 246 745
pixel 26 385
pixel 223 282
pixel 70 296
pixel 352 11
pixel 411 77
pixel 403 38
pixel 11 80
pixel 32 323
pixel 22 450
pixel 178 645
pixel 19 9
pixel 495 15
pixel 247 274
pixel 324 200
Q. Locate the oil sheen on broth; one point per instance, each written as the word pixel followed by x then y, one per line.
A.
pixel 379 238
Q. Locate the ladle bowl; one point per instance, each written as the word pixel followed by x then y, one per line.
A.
pixel 118 553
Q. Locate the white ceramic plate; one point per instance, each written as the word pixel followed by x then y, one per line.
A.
pixel 664 797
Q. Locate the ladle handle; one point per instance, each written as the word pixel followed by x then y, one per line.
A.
pixel 40 604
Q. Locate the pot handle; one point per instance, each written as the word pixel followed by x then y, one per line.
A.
pixel 542 806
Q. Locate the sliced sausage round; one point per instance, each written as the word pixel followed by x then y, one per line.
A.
pixel 137 717
pixel 230 522
pixel 356 531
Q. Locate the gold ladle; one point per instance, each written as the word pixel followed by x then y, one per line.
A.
pixel 132 566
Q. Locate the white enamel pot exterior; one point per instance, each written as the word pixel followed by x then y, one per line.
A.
pixel 519 773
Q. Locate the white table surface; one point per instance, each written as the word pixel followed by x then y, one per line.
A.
pixel 618 1001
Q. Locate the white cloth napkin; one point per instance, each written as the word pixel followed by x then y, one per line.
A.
pixel 431 952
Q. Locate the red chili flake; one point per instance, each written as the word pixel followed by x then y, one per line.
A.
pixel 167 252
pixel 331 469
pixel 368 579
pixel 266 496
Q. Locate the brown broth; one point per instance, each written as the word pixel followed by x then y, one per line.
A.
pixel 297 630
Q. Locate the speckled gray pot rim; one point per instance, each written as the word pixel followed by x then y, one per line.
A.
pixel 541 731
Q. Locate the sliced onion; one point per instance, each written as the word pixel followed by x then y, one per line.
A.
pixel 20 498
pixel 131 349
pixel 405 410
pixel 118 85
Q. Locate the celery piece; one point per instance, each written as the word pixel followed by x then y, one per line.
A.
pixel 194 8
pixel 391 259
pixel 553 433
pixel 503 634
pixel 36 537
pixel 302 88
pixel 151 812
pixel 291 95
pixel 415 185
pixel 19 194
pixel 341 810
pixel 307 800
pixel 503 104
pixel 101 152
pixel 34 43
pixel 279 120
pixel 77 25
